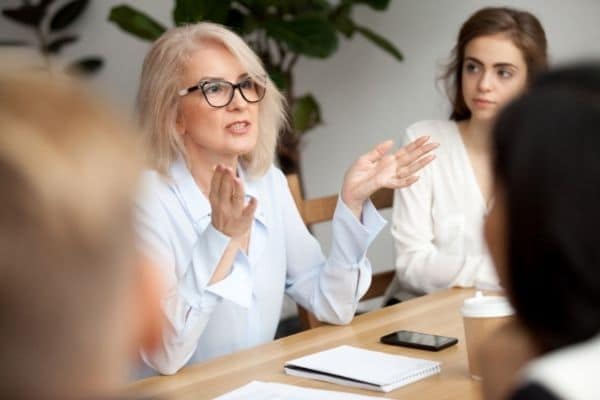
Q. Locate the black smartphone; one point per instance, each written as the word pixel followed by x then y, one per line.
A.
pixel 418 340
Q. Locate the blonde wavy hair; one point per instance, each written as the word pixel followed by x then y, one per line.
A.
pixel 157 99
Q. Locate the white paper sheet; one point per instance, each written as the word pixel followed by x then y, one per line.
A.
pixel 257 390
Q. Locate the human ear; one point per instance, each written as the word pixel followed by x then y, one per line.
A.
pixel 179 123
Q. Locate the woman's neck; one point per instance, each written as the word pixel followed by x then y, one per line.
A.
pixel 202 167
pixel 476 134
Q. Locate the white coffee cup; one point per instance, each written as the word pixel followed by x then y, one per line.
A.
pixel 481 316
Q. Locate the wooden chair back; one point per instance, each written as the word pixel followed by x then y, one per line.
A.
pixel 321 209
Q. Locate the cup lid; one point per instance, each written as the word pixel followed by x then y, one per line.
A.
pixel 481 306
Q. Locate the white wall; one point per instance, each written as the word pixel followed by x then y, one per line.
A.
pixel 365 95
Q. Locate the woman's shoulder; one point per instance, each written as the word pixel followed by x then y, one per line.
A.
pixel 569 371
pixel 155 188
pixel 153 181
pixel 274 179
pixel 436 128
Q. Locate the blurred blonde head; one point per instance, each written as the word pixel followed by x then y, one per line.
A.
pixel 68 172
pixel 157 98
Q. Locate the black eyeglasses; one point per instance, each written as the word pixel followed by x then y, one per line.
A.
pixel 219 93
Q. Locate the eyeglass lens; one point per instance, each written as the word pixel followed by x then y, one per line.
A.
pixel 220 93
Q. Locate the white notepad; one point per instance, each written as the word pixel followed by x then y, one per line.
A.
pixel 366 369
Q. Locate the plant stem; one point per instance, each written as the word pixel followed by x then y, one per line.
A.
pixel 292 62
pixel 264 44
pixel 42 46
pixel 39 34
pixel 282 55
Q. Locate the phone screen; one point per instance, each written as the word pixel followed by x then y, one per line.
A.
pixel 419 340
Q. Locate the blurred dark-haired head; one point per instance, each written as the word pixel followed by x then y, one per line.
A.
pixel 543 231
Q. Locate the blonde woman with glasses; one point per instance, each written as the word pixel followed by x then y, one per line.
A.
pixel 219 216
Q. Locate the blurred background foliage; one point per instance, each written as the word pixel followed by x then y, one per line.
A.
pixel 280 32
pixel 50 22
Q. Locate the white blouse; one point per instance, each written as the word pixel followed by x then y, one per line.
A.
pixel 242 310
pixel 437 223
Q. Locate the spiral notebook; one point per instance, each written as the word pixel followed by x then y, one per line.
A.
pixel 366 369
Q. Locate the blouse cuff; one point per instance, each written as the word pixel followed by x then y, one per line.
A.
pixel 237 286
pixel 206 255
pixel 351 238
pixel 466 276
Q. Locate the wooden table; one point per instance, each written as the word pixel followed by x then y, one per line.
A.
pixel 438 313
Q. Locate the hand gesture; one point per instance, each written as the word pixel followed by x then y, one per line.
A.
pixel 229 213
pixel 377 169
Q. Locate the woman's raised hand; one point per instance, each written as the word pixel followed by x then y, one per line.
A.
pixel 377 169
pixel 229 213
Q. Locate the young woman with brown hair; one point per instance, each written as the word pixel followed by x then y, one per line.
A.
pixel 437 222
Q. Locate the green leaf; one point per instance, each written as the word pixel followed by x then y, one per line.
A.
pixel 67 14
pixel 256 8
pixel 30 15
pixel 318 5
pixel 85 66
pixel 135 22
pixel 306 113
pixel 57 44
pixel 187 11
pixel 301 7
pixel 240 22
pixel 262 5
pixel 340 18
pixel 378 5
pixel 310 36
pixel 380 42
pixel 278 77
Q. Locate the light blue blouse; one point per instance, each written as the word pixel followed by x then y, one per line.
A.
pixel 243 309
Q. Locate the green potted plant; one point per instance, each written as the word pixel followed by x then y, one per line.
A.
pixel 280 32
pixel 49 24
